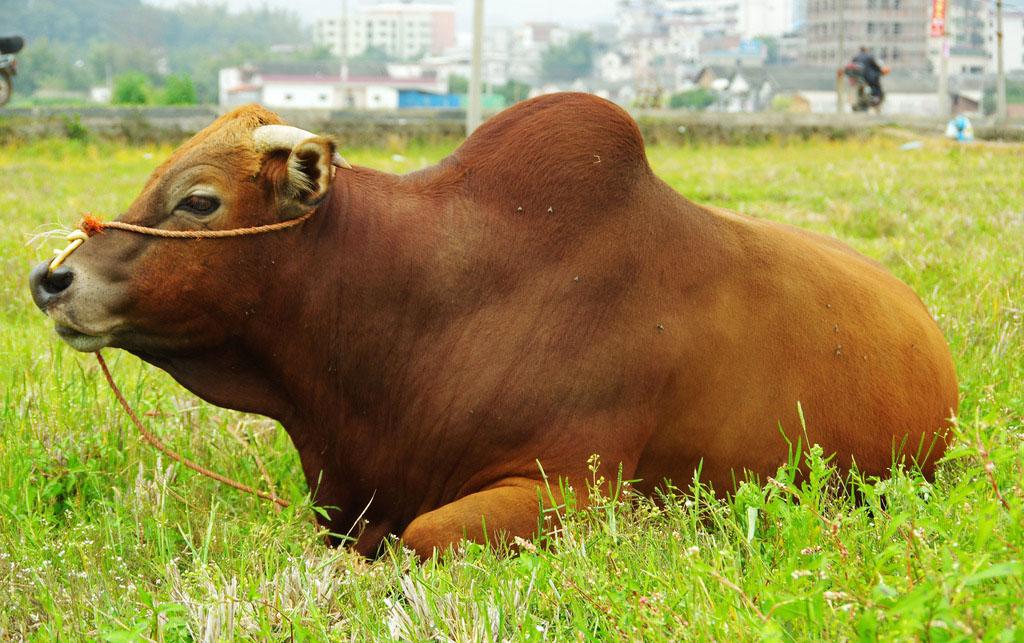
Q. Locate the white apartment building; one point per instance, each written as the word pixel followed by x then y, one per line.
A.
pixel 766 18
pixel 1013 40
pixel 706 16
pixel 684 40
pixel 614 67
pixel 745 18
pixel 328 32
pixel 403 30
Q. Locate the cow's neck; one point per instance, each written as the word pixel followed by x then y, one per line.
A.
pixel 350 312
pixel 350 324
pixel 345 314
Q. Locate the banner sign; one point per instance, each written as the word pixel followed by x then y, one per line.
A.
pixel 939 17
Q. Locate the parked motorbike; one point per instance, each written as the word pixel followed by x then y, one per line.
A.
pixel 862 99
pixel 8 65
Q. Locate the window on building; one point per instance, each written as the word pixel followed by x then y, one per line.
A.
pixel 896 28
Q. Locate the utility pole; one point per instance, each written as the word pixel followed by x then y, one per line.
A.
pixel 944 103
pixel 344 32
pixel 940 30
pixel 1000 68
pixel 474 111
pixel 840 74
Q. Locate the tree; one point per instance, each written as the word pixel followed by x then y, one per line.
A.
pixel 51 65
pixel 75 45
pixel 39 64
pixel 131 88
pixel 458 84
pixel 372 62
pixel 179 90
pixel 319 52
pixel 514 91
pixel 568 62
pixel 1014 95
pixel 695 100
pixel 773 50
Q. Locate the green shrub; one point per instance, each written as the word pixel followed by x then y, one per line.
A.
pixel 179 90
pixel 693 99
pixel 514 91
pixel 1014 95
pixel 458 84
pixel 74 129
pixel 131 88
pixel 782 103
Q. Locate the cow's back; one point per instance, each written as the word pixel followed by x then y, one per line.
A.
pixel 787 318
pixel 575 156
pixel 715 325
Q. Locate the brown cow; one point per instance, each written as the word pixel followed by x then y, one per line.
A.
pixel 539 295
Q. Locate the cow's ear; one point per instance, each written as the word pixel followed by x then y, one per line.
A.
pixel 309 173
pixel 297 165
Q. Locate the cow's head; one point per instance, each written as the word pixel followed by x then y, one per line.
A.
pixel 171 297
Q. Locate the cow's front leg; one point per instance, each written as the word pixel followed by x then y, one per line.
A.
pixel 498 514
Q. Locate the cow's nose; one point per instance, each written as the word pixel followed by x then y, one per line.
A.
pixel 47 286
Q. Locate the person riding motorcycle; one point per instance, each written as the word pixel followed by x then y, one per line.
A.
pixel 872 72
pixel 11 44
pixel 8 65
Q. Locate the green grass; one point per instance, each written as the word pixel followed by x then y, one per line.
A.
pixel 101 537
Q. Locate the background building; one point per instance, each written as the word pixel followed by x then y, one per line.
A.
pixel 967 27
pixel 402 30
pixel 766 17
pixel 895 30
pixel 1013 40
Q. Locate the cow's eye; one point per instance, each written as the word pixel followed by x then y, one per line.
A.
pixel 198 204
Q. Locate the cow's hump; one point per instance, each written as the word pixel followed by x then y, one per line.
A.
pixel 570 152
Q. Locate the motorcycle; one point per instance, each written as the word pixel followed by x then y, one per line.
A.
pixel 8 65
pixel 862 99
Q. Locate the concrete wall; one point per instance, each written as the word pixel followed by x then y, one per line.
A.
pixel 168 124
pixel 896 105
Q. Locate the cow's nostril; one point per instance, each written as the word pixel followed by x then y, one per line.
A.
pixel 46 285
pixel 57 281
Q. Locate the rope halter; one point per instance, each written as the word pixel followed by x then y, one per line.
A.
pixel 90 226
pixel 265 138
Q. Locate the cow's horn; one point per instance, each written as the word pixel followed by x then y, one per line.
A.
pixel 286 137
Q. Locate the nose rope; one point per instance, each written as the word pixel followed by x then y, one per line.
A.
pixel 90 226
pixel 156 442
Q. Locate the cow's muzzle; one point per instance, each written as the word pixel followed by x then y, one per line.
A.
pixel 50 291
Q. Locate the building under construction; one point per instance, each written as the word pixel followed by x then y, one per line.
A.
pixel 895 31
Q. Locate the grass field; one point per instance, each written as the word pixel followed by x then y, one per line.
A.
pixel 101 538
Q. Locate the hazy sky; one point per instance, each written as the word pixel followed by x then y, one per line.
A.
pixel 499 12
